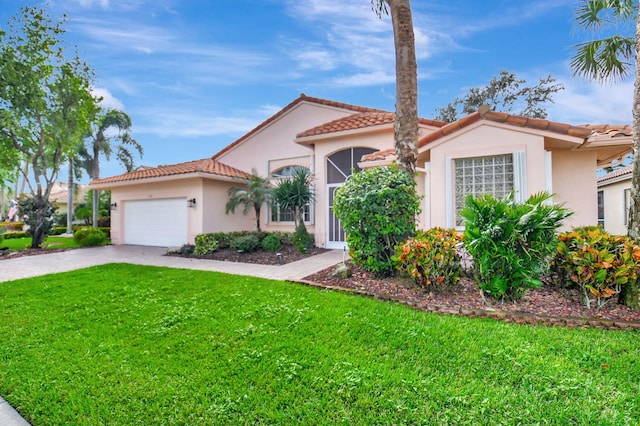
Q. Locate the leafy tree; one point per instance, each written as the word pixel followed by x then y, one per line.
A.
pixel 610 59
pixel 406 122
pixel 100 143
pixel 257 191
pixel 45 103
pixel 505 93
pixel 378 209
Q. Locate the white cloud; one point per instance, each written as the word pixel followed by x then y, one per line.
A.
pixel 167 122
pixel 108 100
pixel 592 103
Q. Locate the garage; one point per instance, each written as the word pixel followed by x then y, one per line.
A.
pixel 157 222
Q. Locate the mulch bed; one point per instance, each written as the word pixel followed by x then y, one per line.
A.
pixel 286 254
pixel 548 304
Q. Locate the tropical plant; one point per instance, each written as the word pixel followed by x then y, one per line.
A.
pixel 406 121
pixel 611 59
pixel 101 143
pixel 46 103
pixel 295 192
pixel 89 237
pixel 504 93
pixel 206 244
pixel 511 243
pixel 377 208
pixel 431 257
pixel 599 264
pixel 256 191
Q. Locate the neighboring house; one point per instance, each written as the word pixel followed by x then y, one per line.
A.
pixel 614 196
pixel 485 152
pixel 60 195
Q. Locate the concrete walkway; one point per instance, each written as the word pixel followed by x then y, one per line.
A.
pixel 34 266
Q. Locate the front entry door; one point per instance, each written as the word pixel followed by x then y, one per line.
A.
pixel 340 165
pixel 335 233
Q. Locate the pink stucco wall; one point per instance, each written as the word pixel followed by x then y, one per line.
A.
pixel 574 183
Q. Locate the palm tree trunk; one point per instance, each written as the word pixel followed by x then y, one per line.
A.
pixel 631 293
pixel 406 123
pixel 70 199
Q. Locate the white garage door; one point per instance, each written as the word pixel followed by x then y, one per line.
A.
pixel 161 222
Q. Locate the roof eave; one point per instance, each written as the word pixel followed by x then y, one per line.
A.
pixel 160 179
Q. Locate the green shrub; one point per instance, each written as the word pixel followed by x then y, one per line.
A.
pixel 511 243
pixel 377 208
pixel 302 239
pixel 206 244
pixel 245 243
pixel 598 263
pixel 17 234
pixel 86 236
pixel 431 258
pixel 271 243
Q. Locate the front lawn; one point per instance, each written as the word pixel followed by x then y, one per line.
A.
pixel 123 344
pixel 50 243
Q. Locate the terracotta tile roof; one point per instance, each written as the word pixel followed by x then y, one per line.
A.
pixel 616 174
pixel 379 155
pixel 300 99
pixel 206 166
pixel 360 121
pixel 484 113
pixel 611 130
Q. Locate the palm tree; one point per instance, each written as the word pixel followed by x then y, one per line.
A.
pixel 257 191
pixel 610 59
pixel 295 192
pixel 101 143
pixel 406 122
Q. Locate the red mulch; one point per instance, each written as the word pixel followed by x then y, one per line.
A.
pixel 286 254
pixel 548 304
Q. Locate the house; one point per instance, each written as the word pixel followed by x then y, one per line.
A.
pixel 614 196
pixel 60 195
pixel 485 152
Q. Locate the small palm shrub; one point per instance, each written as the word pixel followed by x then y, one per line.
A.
pixel 271 243
pixel 431 258
pixel 88 237
pixel 511 243
pixel 302 239
pixel 377 208
pixel 245 243
pixel 206 244
pixel 599 264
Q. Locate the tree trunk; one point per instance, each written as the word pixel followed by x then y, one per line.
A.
pixel 39 227
pixel 631 295
pixel 70 199
pixel 94 208
pixel 258 218
pixel 406 123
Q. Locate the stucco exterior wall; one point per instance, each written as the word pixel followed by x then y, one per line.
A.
pixel 574 184
pixel 215 197
pixel 614 207
pixel 275 141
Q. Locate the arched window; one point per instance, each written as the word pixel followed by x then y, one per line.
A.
pixel 342 164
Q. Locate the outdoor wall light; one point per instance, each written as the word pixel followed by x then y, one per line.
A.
pixel 191 202
pixel 113 206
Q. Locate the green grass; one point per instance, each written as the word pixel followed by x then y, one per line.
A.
pixel 50 243
pixel 122 344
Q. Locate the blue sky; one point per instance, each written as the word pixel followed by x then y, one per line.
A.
pixel 194 75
